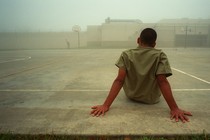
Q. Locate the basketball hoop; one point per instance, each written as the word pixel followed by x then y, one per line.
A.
pixel 76 28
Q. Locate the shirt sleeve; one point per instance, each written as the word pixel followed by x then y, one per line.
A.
pixel 121 62
pixel 164 66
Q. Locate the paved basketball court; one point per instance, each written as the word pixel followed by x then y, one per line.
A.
pixel 51 91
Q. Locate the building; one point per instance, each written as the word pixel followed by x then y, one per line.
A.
pixel 171 33
pixel 113 33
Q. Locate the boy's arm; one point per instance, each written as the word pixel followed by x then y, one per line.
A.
pixel 165 88
pixel 116 86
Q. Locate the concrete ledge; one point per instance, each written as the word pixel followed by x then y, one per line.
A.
pixel 68 113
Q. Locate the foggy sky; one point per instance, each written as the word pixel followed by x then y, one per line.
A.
pixel 61 15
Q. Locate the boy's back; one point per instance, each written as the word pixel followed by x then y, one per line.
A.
pixel 142 65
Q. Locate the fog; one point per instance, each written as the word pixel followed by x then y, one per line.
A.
pixel 55 15
pixel 67 24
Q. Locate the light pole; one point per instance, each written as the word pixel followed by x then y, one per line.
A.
pixel 76 28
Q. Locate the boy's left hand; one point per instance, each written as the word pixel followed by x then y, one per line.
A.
pixel 99 110
pixel 180 114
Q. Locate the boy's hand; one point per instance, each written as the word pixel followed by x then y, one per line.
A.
pixel 99 110
pixel 180 114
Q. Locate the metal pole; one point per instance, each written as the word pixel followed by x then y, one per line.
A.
pixel 78 40
pixel 76 28
pixel 186 36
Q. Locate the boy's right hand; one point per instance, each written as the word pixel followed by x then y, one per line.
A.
pixel 180 114
pixel 99 110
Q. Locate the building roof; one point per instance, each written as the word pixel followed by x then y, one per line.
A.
pixel 109 20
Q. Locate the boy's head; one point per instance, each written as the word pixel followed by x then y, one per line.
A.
pixel 147 37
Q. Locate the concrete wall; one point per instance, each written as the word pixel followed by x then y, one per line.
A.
pixel 94 36
pixel 41 40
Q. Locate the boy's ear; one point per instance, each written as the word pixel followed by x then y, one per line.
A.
pixel 138 40
pixel 154 44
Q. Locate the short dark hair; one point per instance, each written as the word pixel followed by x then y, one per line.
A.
pixel 148 36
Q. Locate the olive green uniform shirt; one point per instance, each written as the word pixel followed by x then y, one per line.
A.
pixel 142 65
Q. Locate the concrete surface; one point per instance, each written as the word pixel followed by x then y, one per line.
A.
pixel 51 91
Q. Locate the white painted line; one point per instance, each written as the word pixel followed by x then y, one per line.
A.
pixel 13 60
pixel 207 82
pixel 80 90
pixel 45 90
pixel 190 89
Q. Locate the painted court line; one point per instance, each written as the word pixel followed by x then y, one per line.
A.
pixel 191 89
pixel 80 90
pixel 46 90
pixel 207 82
pixel 13 60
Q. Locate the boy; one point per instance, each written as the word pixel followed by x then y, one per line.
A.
pixel 142 74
